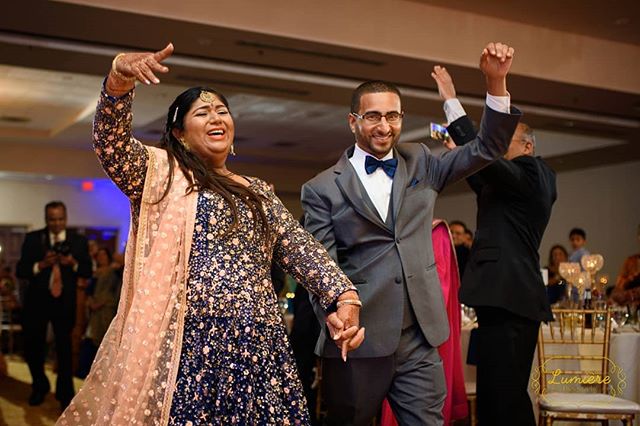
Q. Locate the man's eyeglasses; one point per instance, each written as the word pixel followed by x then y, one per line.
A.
pixel 373 117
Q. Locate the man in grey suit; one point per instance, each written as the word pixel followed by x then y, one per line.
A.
pixel 373 212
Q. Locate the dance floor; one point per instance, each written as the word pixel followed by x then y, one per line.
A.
pixel 14 392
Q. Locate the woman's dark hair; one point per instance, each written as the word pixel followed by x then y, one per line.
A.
pixel 557 246
pixel 196 171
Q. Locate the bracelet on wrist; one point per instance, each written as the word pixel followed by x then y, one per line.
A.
pixel 118 73
pixel 355 302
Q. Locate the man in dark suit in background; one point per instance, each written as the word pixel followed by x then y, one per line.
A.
pixel 373 212
pixel 503 280
pixel 52 260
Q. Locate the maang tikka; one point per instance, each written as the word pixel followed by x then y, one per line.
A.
pixel 207 97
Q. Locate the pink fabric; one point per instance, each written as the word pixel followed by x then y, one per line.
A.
pixel 455 404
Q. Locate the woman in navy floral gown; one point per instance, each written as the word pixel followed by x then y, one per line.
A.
pixel 229 358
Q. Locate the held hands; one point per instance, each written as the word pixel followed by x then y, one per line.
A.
pixel 142 66
pixel 344 326
pixel 495 63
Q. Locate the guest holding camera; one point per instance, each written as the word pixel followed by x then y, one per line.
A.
pixel 52 260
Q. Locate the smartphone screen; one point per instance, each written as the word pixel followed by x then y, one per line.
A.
pixel 438 132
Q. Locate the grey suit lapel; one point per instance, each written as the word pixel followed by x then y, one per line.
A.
pixel 353 190
pixel 399 185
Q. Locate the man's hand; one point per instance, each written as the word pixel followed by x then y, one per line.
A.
pixel 345 338
pixel 67 260
pixel 445 84
pixel 449 144
pixel 49 260
pixel 495 63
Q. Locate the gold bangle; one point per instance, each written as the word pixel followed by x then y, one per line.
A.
pixel 349 302
pixel 118 73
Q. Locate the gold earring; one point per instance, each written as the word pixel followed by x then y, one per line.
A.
pixel 184 144
pixel 232 151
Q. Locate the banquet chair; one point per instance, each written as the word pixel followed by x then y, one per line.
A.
pixel 574 374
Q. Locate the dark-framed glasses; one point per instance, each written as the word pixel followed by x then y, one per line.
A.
pixel 373 117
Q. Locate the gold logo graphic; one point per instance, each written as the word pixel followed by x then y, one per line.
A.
pixel 559 380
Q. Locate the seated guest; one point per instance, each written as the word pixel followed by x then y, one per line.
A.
pixel 627 289
pixel 556 287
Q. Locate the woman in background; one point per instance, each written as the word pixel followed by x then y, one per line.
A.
pixel 556 287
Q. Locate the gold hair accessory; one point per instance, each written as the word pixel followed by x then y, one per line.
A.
pixel 207 97
pixel 118 73
pixel 355 302
pixel 232 151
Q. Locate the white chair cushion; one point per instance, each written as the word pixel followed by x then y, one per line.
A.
pixel 587 403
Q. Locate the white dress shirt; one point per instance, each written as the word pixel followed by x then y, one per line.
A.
pixel 377 184
pixel 453 108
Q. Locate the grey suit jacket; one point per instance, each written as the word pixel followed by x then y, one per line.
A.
pixel 380 259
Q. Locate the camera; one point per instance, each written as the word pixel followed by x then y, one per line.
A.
pixel 61 248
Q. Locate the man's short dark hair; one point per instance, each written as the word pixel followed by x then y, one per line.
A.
pixel 54 205
pixel 578 231
pixel 374 86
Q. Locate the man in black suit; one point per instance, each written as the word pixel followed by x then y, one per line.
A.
pixel 52 260
pixel 503 280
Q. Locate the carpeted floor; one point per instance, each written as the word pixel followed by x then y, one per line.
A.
pixel 14 392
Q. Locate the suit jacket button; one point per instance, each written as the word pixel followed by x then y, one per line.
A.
pixel 398 240
pixel 398 280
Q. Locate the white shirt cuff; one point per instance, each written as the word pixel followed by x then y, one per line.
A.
pixel 453 110
pixel 36 269
pixel 499 103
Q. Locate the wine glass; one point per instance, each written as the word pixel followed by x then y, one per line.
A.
pixel 620 315
pixel 569 271
pixel 592 263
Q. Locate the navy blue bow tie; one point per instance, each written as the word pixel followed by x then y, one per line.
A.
pixel 371 164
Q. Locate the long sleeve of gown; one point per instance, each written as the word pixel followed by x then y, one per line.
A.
pixel 123 158
pixel 305 259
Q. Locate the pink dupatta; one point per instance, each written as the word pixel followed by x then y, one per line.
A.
pixel 455 404
pixel 133 376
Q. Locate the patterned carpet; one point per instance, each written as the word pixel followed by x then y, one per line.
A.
pixel 14 392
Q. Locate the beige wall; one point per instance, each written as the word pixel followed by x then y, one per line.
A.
pixel 605 201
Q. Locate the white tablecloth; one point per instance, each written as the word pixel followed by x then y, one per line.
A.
pixel 624 351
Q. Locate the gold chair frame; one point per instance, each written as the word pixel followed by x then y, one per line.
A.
pixel 569 328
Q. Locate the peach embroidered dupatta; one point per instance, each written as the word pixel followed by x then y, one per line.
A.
pixel 133 376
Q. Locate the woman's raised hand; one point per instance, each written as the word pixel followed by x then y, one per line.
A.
pixel 141 66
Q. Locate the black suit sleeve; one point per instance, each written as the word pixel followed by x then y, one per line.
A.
pixel 462 132
pixel 30 253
